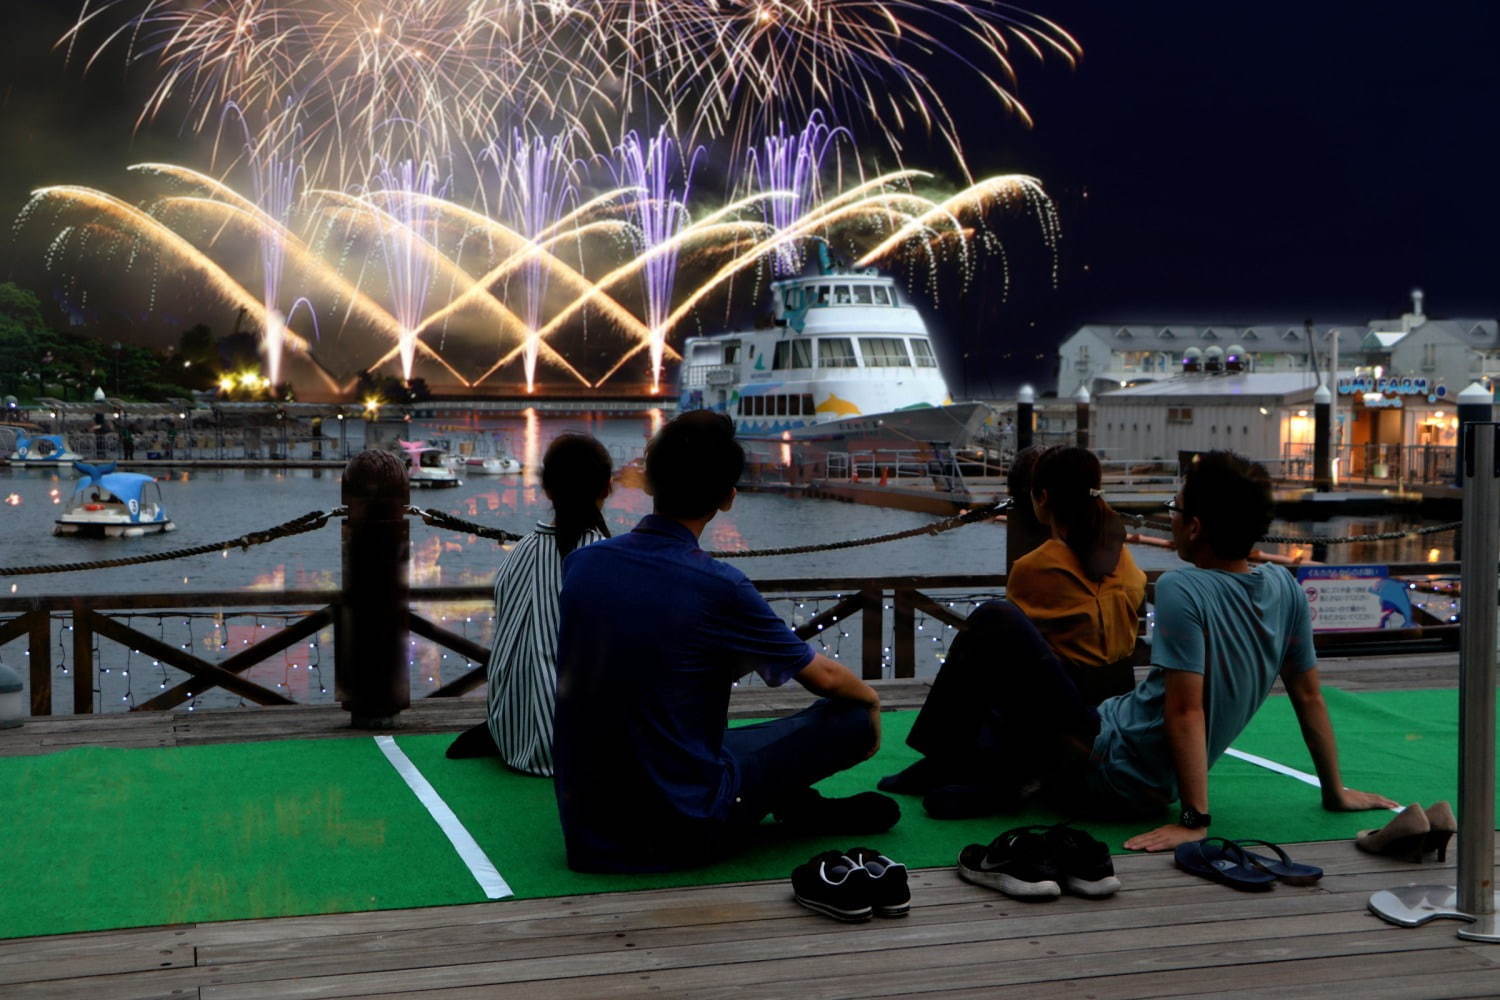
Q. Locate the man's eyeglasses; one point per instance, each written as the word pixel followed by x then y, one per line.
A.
pixel 1175 506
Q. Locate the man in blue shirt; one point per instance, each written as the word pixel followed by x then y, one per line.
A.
pixel 653 634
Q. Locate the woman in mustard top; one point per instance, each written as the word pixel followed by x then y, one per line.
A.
pixel 1076 599
pixel 1081 588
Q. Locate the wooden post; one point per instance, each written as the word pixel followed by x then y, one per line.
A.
pixel 41 663
pixel 372 679
pixel 904 637
pixel 83 665
pixel 873 615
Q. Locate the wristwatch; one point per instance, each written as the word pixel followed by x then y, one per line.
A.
pixel 1193 819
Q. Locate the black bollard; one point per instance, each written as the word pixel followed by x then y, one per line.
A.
pixel 1323 439
pixel 371 676
pixel 1476 405
pixel 1025 417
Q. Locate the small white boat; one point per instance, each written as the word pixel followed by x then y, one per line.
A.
pixel 110 504
pixel 488 457
pixel 43 450
pixel 427 466
pixel 492 465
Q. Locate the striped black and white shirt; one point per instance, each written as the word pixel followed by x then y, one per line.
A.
pixel 522 672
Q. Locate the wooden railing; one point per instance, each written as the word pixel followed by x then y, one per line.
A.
pixel 90 619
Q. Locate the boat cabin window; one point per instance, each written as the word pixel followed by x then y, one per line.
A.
pixel 862 295
pixel 922 350
pixel 884 352
pixel 706 353
pixel 883 296
pixel 781 406
pixel 432 460
pixel 841 295
pixel 793 298
pixel 823 292
pixel 808 409
pixel 792 354
pixel 836 352
pixel 731 353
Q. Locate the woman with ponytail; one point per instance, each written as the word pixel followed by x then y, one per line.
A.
pixel 1069 621
pixel 1080 588
pixel 522 669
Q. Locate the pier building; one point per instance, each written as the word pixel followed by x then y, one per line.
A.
pixel 1446 352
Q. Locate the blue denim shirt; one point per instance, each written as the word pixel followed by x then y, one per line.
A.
pixel 652 634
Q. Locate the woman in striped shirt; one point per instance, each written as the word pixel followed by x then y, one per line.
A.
pixel 522 669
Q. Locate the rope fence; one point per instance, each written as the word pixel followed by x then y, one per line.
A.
pixel 313 520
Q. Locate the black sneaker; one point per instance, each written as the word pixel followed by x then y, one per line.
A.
pixel 1018 863
pixel 1085 864
pixel 809 811
pixel 890 895
pixel 834 885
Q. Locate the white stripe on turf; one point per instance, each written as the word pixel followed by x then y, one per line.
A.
pixel 1279 768
pixel 469 851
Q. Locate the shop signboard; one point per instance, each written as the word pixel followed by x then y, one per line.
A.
pixel 1390 388
pixel 1354 598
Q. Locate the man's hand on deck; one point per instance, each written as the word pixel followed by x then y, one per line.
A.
pixel 1164 838
pixel 1350 800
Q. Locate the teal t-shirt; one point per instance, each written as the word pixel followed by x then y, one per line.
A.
pixel 1239 630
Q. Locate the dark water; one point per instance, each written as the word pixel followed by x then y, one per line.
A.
pixel 214 505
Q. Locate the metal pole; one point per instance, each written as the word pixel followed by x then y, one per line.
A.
pixel 1473 898
pixel 1476 683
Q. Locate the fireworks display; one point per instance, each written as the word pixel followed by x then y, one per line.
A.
pixel 436 184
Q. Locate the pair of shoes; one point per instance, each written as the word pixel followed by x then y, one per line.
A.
pixel 970 801
pixel 1040 862
pixel 852 885
pixel 915 779
pixel 1228 862
pixel 1413 834
pixel 809 811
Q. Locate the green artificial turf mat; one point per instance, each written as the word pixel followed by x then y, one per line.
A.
pixel 1402 744
pixel 103 838
pixel 97 838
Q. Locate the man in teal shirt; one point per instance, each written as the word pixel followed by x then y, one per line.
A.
pixel 1224 632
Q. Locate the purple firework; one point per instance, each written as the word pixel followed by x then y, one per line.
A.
pixel 792 164
pixel 536 188
pixel 660 212
pixel 408 239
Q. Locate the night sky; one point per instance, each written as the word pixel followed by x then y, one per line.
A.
pixel 1274 160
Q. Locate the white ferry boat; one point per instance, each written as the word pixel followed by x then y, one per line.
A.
pixel 846 358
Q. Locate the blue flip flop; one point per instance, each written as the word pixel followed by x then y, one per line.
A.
pixel 1281 867
pixel 1220 860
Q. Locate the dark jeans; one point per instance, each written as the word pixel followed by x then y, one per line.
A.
pixel 781 758
pixel 1003 708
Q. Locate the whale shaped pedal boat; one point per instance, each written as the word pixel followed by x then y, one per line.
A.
pixel 110 504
